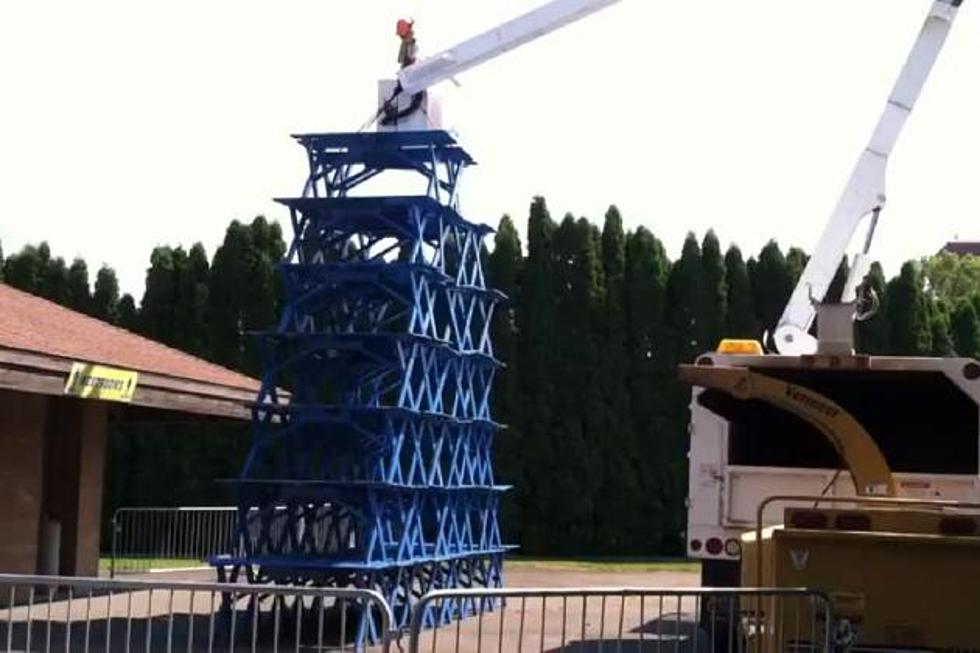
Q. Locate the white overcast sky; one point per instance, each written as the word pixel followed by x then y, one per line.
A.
pixel 125 124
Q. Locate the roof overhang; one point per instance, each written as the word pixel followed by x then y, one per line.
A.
pixel 33 372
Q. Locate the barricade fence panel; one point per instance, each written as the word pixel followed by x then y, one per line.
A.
pixel 45 613
pixel 144 539
pixel 621 620
pixel 148 538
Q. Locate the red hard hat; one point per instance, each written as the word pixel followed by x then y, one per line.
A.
pixel 404 27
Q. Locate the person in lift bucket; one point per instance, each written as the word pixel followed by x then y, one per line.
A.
pixel 405 29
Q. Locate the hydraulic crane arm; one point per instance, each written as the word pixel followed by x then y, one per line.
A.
pixel 858 450
pixel 494 42
pixel 865 191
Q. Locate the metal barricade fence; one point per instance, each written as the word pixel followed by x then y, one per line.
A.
pixel 46 613
pixel 144 539
pixel 621 620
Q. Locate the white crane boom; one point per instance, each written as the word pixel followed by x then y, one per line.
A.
pixel 865 191
pixel 494 42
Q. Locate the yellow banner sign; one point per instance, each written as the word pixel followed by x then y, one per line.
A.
pixel 90 381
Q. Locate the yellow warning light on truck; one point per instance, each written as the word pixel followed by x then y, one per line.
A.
pixel 735 346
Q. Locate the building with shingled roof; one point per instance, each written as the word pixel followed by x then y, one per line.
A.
pixel 63 376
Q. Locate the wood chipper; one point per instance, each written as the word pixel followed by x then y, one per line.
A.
pixel 899 573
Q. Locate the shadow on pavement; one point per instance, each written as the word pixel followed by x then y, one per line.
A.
pixel 669 633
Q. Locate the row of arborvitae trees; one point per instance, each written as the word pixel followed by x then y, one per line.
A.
pixel 199 306
pixel 596 323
